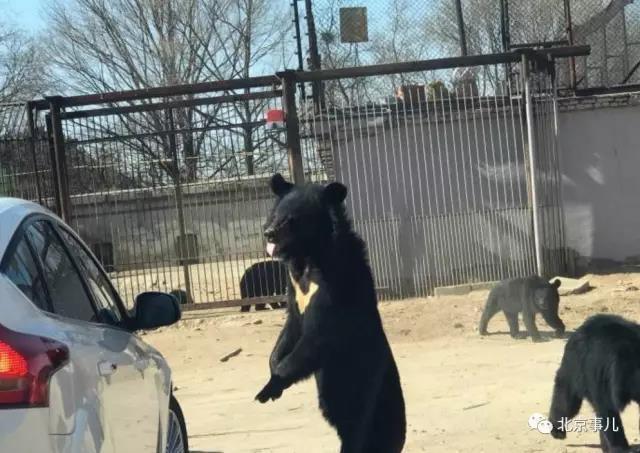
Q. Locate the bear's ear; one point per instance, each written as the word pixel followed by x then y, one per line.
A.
pixel 279 186
pixel 556 283
pixel 334 193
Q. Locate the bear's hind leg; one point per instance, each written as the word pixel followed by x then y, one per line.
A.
pixel 612 435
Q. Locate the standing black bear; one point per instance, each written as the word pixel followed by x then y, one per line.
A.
pixel 266 278
pixel 600 364
pixel 333 328
pixel 529 295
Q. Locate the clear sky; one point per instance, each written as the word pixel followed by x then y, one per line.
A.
pixel 27 14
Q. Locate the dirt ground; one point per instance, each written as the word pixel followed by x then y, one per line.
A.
pixel 463 392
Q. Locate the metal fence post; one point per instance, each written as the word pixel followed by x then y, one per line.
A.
pixel 531 138
pixel 569 264
pixel 63 198
pixel 32 149
pixel 462 35
pixel 182 243
pixel 294 148
pixel 314 61
pixel 569 30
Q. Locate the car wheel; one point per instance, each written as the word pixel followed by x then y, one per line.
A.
pixel 177 441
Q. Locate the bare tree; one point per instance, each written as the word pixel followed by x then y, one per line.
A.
pixel 105 45
pixel 22 69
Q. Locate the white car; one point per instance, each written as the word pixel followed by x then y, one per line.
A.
pixel 74 377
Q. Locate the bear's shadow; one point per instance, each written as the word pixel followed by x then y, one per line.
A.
pixel 632 448
pixel 545 335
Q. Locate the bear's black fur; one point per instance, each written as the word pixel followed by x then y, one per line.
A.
pixel 600 364
pixel 529 295
pixel 333 328
pixel 266 278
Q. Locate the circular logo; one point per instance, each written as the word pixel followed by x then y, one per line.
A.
pixel 535 419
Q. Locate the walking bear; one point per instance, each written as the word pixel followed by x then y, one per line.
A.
pixel 600 364
pixel 266 278
pixel 529 295
pixel 333 328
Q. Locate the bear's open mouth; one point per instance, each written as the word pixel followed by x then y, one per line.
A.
pixel 271 248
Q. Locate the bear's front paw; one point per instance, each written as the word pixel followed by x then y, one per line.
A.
pixel 558 434
pixel 272 391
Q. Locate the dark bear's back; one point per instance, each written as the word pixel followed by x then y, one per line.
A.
pixel 265 278
pixel 514 292
pixel 605 349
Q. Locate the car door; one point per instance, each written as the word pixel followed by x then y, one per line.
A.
pixel 141 417
pixel 107 357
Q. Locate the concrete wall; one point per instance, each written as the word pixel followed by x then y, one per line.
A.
pixel 442 199
pixel 142 225
pixel 600 152
pixel 432 212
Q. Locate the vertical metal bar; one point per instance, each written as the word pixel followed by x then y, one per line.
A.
pixel 625 43
pixel 60 162
pixel 461 32
pixel 531 137
pixel 559 169
pixel 294 149
pixel 504 25
pixel 32 148
pixel 179 203
pixel 296 23
pixel 569 28
pixel 314 55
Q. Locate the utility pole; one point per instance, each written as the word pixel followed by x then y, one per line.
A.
pixel 461 33
pixel 296 22
pixel 314 62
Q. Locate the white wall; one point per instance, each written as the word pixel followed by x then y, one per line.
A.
pixel 600 159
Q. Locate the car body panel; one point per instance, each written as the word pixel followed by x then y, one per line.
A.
pixel 91 409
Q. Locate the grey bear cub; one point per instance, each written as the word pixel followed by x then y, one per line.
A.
pixel 529 296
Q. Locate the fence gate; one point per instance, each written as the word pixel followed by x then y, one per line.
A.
pixel 169 187
pixel 443 177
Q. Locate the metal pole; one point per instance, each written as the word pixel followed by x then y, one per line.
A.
pixel 32 148
pixel 531 138
pixel 60 159
pixel 506 37
pixel 569 27
pixel 294 149
pixel 461 33
pixel 559 170
pixel 296 22
pixel 314 55
pixel 182 243
pixel 504 24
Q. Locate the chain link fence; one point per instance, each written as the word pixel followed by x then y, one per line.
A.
pixel 362 32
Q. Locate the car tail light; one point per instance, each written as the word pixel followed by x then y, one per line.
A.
pixel 27 362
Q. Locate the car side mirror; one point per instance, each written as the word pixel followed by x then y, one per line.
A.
pixel 155 309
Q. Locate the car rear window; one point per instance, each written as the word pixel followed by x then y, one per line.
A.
pixel 22 270
pixel 68 295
